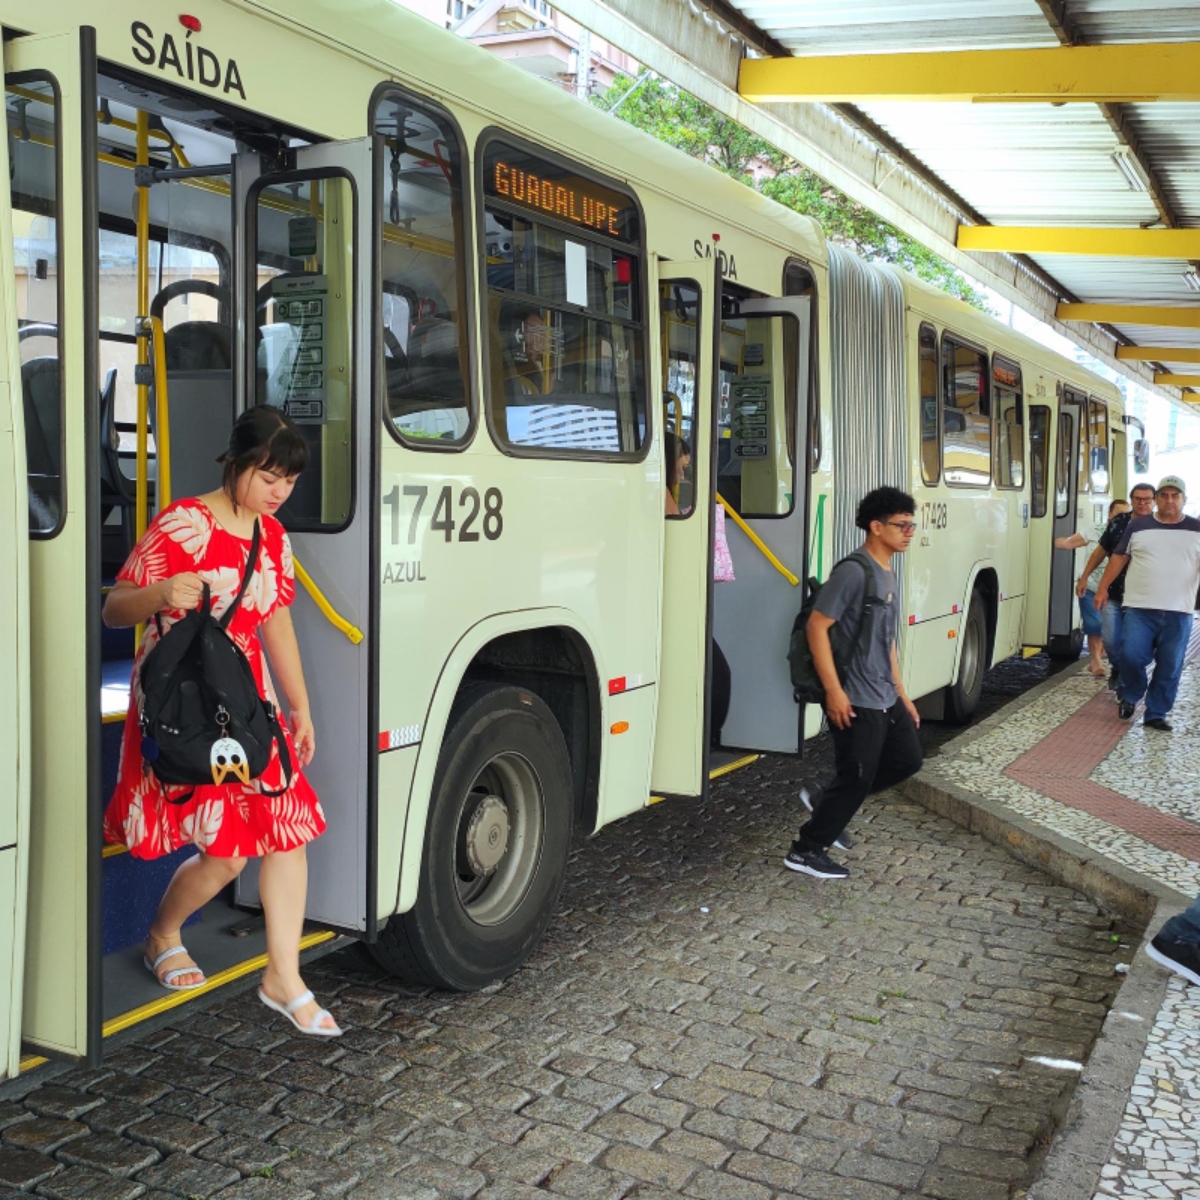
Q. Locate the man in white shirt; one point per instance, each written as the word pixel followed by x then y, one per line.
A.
pixel 1163 554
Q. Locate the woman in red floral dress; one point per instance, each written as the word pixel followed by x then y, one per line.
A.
pixel 190 543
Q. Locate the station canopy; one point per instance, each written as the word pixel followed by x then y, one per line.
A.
pixel 1048 148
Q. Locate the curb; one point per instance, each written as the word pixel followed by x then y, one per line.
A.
pixel 1083 1142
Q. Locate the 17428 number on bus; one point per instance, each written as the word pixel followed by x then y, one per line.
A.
pixel 476 513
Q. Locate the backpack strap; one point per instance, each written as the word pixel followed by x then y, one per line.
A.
pixel 251 563
pixel 285 755
pixel 870 595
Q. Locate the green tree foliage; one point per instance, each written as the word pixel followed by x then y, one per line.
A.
pixel 679 119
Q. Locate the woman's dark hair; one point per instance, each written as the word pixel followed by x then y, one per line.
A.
pixel 674 448
pixel 262 437
pixel 882 503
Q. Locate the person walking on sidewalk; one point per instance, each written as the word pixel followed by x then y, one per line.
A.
pixel 1163 556
pixel 1177 944
pixel 1089 534
pixel 873 722
pixel 1112 614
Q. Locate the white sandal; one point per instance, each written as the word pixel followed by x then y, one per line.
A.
pixel 313 1028
pixel 168 978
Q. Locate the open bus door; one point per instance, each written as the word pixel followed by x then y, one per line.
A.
pixel 50 84
pixel 305 238
pixel 763 460
pixel 1065 635
pixel 14 654
pixel 690 307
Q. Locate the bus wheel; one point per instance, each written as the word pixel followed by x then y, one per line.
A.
pixel 962 696
pixel 496 845
pixel 1066 647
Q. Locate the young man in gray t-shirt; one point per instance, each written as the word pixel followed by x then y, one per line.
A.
pixel 873 722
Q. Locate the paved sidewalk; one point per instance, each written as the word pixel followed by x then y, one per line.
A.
pixel 1116 807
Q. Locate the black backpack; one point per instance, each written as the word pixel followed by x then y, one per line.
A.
pixel 806 683
pixel 202 718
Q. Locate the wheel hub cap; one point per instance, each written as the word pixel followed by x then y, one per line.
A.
pixel 487 835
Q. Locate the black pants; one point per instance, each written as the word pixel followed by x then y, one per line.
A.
pixel 879 750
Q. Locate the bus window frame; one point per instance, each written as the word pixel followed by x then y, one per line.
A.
pixel 813 390
pixel 1098 404
pixel 16 79
pixel 701 315
pixel 1019 392
pixel 248 292
pixel 1047 464
pixel 469 306
pixel 497 133
pixel 936 481
pixel 966 343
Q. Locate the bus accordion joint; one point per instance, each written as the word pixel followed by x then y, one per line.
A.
pixel 766 553
pixel 327 610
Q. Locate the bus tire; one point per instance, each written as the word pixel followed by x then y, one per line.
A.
pixel 496 844
pixel 1066 647
pixel 962 696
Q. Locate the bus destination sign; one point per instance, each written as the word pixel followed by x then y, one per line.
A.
pixel 522 179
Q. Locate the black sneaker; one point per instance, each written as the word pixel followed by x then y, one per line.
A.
pixel 1114 679
pixel 1181 957
pixel 1160 723
pixel 1125 710
pixel 814 862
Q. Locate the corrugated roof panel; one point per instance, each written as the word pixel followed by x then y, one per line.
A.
pixel 1111 21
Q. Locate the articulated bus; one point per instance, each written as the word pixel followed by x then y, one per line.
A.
pixel 489 308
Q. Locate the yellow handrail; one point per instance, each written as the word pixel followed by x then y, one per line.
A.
pixel 330 613
pixel 162 434
pixel 792 579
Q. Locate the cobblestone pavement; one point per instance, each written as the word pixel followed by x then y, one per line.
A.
pixel 698 1022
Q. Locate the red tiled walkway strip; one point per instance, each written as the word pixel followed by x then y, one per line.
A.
pixel 1060 764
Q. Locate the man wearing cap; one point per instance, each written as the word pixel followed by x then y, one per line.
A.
pixel 1162 552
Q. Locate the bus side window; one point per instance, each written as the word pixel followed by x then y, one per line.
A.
pixel 1039 443
pixel 931 446
pixel 1098 465
pixel 680 307
pixel 1010 420
pixel 423 276
pixel 966 415
pixel 32 116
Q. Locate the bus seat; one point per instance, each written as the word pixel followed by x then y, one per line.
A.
pixel 430 376
pixel 199 368
pixel 43 441
pixel 117 490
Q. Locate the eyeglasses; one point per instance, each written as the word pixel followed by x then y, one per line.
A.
pixel 903 526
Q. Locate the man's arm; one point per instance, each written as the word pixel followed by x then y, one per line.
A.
pixel 1116 564
pixel 908 704
pixel 837 703
pixel 1093 562
pixel 1076 541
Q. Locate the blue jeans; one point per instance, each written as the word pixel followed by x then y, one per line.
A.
pixel 1112 619
pixel 1089 618
pixel 1185 927
pixel 1153 635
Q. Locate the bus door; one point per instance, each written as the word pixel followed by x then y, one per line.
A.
pixel 689 308
pixel 305 239
pixel 1063 631
pixel 50 106
pixel 14 654
pixel 762 482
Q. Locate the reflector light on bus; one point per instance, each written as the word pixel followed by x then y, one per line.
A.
pixel 620 727
pixel 615 686
pixel 190 23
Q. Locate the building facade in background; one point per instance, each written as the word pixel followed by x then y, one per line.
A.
pixel 533 36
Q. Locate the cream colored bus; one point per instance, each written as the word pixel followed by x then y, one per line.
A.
pixel 496 315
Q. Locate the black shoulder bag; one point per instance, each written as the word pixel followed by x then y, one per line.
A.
pixel 202 718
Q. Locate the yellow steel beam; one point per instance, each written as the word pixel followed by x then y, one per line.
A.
pixel 1131 314
pixel 1095 74
pixel 1165 354
pixel 1169 379
pixel 1106 243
